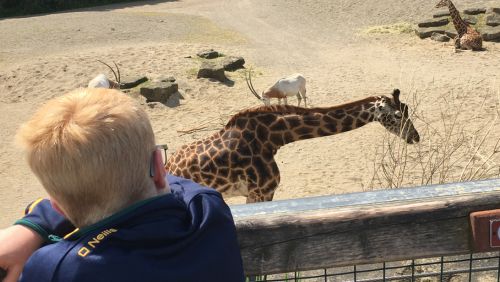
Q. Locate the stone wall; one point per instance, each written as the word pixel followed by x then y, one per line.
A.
pixel 485 20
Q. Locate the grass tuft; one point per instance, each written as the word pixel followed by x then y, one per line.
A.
pixel 396 28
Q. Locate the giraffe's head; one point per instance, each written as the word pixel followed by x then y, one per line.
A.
pixel 393 115
pixel 442 3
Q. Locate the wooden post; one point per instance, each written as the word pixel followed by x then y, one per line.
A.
pixel 361 228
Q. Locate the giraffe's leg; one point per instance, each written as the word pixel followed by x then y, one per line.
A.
pixel 263 183
pixel 252 198
pixel 258 197
pixel 262 194
pixel 304 96
pixel 457 42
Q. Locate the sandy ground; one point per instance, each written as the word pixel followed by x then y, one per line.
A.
pixel 45 56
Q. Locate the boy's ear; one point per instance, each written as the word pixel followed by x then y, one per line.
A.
pixel 159 170
pixel 55 205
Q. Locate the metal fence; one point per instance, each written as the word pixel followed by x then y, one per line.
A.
pixel 472 267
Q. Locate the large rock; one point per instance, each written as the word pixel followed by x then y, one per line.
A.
pixel 208 54
pixel 493 19
pixel 212 70
pixel 440 37
pixel 232 63
pixel 452 33
pixel 424 32
pixel 162 91
pixel 434 22
pixel 474 11
pixel 490 33
pixel 444 13
pixel 470 20
pixel 493 10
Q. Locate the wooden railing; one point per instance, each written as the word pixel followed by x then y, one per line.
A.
pixel 361 228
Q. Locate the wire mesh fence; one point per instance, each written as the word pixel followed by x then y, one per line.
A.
pixel 473 267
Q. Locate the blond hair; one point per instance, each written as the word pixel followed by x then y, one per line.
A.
pixel 91 150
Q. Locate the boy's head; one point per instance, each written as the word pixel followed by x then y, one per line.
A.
pixel 92 150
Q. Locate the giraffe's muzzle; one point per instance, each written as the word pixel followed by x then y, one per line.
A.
pixel 413 138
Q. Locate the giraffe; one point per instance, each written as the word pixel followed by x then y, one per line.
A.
pixel 239 159
pixel 468 37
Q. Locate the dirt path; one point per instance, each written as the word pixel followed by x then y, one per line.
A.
pixel 45 56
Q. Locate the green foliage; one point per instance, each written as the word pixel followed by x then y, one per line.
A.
pixel 10 8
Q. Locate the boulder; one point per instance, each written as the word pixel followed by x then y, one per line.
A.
pixel 440 37
pixel 208 54
pixel 174 100
pixel 424 32
pixel 131 82
pixel 490 33
pixel 474 11
pixel 493 10
pixel 470 20
pixel 444 13
pixel 493 19
pixel 167 79
pixel 434 22
pixel 452 33
pixel 160 91
pixel 212 70
pixel 233 63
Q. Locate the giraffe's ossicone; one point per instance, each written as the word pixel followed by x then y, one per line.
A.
pixel 239 159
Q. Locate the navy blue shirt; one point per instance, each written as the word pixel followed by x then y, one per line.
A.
pixel 187 235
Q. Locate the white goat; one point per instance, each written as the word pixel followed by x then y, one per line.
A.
pixel 101 81
pixel 293 85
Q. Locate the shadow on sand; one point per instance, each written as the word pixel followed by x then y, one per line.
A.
pixel 16 11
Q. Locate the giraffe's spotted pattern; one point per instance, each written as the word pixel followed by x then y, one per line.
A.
pixel 239 159
pixel 467 38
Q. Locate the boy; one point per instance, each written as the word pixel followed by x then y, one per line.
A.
pixel 94 152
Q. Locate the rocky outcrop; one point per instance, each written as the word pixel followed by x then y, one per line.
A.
pixel 470 20
pixel 485 20
pixel 425 32
pixel 493 19
pixel 208 54
pixel 491 33
pixel 165 91
pixel 444 13
pixel 434 22
pixel 440 37
pixel 212 70
pixel 131 82
pixel 232 63
pixel 475 11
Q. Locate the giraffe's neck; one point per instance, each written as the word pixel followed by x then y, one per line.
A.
pixel 276 126
pixel 458 22
pixel 328 121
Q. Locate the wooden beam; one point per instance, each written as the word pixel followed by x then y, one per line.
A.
pixel 361 228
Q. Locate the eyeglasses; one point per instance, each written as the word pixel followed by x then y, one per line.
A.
pixel 151 164
pixel 165 148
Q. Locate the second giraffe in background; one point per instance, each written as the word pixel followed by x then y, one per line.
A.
pixel 468 38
